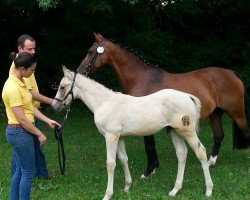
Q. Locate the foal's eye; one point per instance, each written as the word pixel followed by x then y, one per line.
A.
pixel 62 87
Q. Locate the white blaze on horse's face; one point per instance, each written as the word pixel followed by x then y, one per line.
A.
pixel 60 102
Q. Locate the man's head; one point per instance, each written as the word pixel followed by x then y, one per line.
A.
pixel 26 43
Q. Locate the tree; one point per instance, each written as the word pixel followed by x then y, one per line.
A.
pixel 178 36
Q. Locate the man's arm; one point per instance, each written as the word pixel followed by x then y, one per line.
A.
pixel 41 98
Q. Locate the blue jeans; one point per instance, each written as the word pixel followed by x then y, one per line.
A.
pixel 41 170
pixel 23 155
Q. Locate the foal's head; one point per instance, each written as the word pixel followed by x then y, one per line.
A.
pixel 96 57
pixel 65 92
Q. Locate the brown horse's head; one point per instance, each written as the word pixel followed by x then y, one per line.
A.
pixel 96 57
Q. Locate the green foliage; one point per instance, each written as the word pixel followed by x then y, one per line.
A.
pixel 132 2
pixel 178 37
pixel 46 4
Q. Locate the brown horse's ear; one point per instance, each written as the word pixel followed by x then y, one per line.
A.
pixel 98 37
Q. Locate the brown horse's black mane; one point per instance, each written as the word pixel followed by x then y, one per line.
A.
pixel 136 53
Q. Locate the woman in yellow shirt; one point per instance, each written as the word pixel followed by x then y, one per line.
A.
pixel 21 130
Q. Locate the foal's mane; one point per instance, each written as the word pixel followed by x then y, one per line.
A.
pixel 95 83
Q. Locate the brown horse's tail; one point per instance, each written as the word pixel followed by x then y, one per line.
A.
pixel 242 140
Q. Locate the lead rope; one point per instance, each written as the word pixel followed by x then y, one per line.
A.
pixel 60 147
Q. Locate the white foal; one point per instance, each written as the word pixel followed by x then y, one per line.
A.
pixel 117 115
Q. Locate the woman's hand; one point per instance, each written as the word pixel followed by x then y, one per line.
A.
pixel 53 123
pixel 45 119
pixel 42 139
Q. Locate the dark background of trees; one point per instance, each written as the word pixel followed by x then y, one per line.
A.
pixel 179 37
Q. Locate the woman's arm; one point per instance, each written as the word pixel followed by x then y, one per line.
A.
pixel 45 119
pixel 27 124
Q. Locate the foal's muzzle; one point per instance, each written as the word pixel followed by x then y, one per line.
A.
pixel 59 105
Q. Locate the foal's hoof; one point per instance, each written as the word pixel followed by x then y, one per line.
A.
pixel 107 197
pixel 208 193
pixel 173 192
pixel 127 187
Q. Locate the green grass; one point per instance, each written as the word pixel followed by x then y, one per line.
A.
pixel 85 176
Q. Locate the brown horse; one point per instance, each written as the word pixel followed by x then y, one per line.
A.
pixel 219 90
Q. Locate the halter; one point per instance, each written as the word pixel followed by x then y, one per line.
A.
pixel 70 92
pixel 99 50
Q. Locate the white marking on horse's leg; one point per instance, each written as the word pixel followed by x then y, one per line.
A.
pixel 111 146
pixel 144 177
pixel 122 155
pixel 200 152
pixel 212 160
pixel 181 153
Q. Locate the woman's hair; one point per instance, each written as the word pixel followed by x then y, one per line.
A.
pixel 23 59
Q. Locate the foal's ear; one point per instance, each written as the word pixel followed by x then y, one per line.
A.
pixel 98 37
pixel 67 72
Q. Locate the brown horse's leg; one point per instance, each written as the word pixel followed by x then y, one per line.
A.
pixel 152 157
pixel 218 133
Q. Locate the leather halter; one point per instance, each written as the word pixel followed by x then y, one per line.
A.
pixel 88 66
pixel 70 92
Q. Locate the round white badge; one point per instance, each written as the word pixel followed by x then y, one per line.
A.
pixel 100 49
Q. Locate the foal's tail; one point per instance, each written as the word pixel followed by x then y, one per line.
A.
pixel 241 140
pixel 197 104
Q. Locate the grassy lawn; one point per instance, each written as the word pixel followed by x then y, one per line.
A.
pixel 85 176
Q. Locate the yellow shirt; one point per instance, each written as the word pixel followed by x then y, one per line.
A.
pixel 16 93
pixel 30 82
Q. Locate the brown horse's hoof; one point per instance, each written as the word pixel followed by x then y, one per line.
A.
pixel 149 171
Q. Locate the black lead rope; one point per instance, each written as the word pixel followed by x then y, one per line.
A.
pixel 60 147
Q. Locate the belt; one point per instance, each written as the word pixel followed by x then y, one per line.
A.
pixel 15 126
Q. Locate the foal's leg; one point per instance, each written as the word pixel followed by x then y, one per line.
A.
pixel 111 146
pixel 152 158
pixel 181 153
pixel 216 125
pixel 200 152
pixel 122 155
